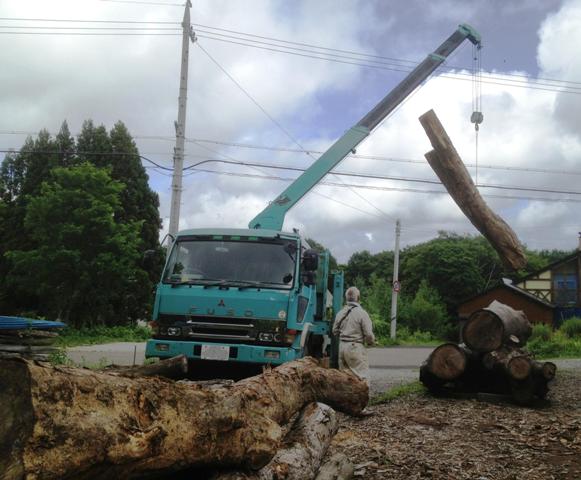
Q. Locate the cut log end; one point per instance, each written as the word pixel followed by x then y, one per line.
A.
pixel 519 368
pixel 483 331
pixel 447 362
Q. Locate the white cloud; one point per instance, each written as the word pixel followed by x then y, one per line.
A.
pixel 47 79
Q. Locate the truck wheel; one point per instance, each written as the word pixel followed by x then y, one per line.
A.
pixel 314 346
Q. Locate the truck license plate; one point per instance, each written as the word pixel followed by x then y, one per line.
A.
pixel 215 352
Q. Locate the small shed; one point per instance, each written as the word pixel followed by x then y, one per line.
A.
pixel 536 309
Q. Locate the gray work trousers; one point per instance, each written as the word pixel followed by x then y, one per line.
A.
pixel 353 358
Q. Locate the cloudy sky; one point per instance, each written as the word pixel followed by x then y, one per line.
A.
pixel 279 101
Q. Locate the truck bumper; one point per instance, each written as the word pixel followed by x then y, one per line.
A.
pixel 238 352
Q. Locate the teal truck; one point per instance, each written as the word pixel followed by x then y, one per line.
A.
pixel 261 295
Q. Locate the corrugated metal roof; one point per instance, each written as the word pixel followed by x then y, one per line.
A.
pixel 21 323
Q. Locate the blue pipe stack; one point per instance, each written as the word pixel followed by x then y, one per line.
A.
pixel 25 337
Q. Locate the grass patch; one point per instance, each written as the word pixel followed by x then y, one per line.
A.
pixel 403 390
pixel 558 345
pixel 71 337
pixel 572 328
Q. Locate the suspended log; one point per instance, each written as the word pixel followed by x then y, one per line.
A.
pixel 175 367
pixel 450 169
pixel 303 449
pixel 338 467
pixel 65 423
pixel 489 328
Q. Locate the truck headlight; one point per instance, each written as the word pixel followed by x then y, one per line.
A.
pixel 290 336
pixel 174 331
pixel 265 337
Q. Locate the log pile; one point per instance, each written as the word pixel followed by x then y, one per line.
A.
pixel 490 359
pixel 73 423
pixel 24 337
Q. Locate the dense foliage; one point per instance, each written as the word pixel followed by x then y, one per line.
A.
pixel 435 277
pixel 75 220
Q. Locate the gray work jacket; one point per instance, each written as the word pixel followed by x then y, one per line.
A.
pixel 355 327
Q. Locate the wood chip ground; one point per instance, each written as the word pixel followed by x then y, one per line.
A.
pixel 423 437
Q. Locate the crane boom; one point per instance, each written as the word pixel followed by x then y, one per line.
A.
pixel 272 217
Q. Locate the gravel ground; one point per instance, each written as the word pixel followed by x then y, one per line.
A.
pixel 423 437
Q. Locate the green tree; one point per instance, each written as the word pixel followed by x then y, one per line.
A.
pixel 456 266
pixel 84 264
pixel 319 247
pixel 425 312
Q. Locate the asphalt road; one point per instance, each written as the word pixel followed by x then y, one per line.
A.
pixel 389 366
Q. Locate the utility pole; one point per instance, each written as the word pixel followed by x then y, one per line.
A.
pixel 180 126
pixel 396 286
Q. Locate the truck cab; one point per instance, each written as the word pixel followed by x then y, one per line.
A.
pixel 243 295
pixel 260 295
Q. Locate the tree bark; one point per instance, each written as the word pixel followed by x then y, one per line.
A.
pixel 64 423
pixel 514 362
pixel 175 367
pixel 338 467
pixel 450 169
pixel 489 328
pixel 303 450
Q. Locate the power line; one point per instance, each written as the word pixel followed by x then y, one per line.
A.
pixel 240 35
pixel 410 63
pixel 69 20
pixel 110 34
pixel 90 28
pixel 457 75
pixel 554 85
pixel 275 122
pixel 141 2
pixel 257 166
pixel 391 189
pixel 198 141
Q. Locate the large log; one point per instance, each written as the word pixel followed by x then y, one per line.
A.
pixel 489 328
pixel 450 169
pixel 65 423
pixel 303 449
pixel 446 363
pixel 513 362
pixel 337 467
pixel 175 367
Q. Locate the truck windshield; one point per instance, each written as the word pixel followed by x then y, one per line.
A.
pixel 236 263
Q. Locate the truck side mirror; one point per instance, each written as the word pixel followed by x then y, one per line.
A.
pixel 309 278
pixel 310 260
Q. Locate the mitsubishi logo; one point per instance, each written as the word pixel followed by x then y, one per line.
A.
pixel 221 303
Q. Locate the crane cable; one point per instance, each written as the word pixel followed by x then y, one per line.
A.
pixel 476 118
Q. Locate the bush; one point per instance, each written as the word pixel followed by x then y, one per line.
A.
pixel 559 345
pixel 572 327
pixel 541 331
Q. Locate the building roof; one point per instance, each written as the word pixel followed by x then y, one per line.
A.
pixel 551 266
pixel 508 284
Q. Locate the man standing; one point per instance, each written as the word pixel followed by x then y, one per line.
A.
pixel 353 326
